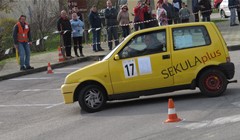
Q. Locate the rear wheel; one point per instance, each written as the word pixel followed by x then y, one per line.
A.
pixel 212 82
pixel 92 98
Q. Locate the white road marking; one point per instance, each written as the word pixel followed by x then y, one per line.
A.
pixel 54 105
pixel 236 104
pixel 28 90
pixel 47 106
pixel 37 78
pixel 27 105
pixel 208 123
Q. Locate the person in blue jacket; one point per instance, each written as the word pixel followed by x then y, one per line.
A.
pixel 77 33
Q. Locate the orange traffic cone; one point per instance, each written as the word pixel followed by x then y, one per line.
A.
pixel 49 69
pixel 60 55
pixel 172 115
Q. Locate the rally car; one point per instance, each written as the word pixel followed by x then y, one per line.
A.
pixel 152 61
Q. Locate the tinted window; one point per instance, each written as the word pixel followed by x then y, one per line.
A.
pixel 190 37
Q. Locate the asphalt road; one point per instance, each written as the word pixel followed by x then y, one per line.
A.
pixel 31 108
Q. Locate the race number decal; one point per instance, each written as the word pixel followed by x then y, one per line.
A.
pixel 129 67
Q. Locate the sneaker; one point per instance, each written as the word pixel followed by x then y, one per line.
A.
pixel 101 49
pixel 29 68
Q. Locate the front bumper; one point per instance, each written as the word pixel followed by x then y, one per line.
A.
pixel 68 92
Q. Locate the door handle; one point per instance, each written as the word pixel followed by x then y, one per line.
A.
pixel 167 56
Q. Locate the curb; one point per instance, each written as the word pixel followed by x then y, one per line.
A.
pixel 54 66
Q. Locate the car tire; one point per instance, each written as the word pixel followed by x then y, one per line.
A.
pixel 212 83
pixel 92 98
pixel 222 14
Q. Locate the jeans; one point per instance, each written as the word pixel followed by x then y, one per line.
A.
pixel 126 31
pixel 24 54
pixel 96 40
pixel 233 16
pixel 112 32
pixel 137 26
pixel 205 17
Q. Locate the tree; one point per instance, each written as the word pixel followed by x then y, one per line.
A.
pixel 4 5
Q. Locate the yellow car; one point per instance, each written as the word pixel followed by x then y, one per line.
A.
pixel 152 61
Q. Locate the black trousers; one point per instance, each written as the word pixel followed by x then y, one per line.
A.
pixel 196 17
pixel 112 32
pixel 67 41
pixel 77 41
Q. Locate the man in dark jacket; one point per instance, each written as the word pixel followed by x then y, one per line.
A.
pixel 64 26
pixel 111 20
pixel 195 10
pixel 206 9
pixel 177 5
pixel 95 23
pixel 232 5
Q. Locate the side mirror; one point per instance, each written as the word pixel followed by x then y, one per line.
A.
pixel 116 57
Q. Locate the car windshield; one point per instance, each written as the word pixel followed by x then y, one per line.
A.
pixel 110 54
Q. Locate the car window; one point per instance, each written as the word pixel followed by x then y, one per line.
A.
pixel 145 44
pixel 190 37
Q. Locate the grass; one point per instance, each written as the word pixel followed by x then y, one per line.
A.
pixel 218 20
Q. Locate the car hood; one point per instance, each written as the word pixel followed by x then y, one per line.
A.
pixel 90 72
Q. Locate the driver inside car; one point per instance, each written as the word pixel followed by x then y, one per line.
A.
pixel 153 45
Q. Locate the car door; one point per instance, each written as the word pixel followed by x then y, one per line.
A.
pixel 140 69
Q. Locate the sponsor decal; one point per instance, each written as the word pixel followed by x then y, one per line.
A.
pixel 187 64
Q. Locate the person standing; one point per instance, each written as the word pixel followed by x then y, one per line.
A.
pixel 195 10
pixel 170 11
pixel 238 10
pixel 232 4
pixel 184 14
pixel 111 21
pixel 64 26
pixel 139 11
pixel 77 33
pixel 206 9
pixel 161 15
pixel 177 5
pixel 22 41
pixel 123 19
pixel 95 23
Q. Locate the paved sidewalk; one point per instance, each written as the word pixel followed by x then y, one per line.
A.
pixel 40 61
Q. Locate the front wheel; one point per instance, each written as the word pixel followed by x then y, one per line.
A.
pixel 212 82
pixel 223 15
pixel 92 98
